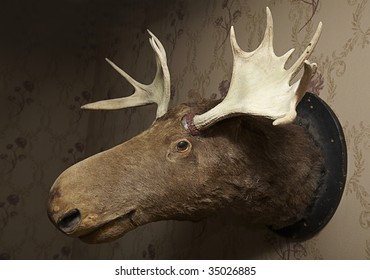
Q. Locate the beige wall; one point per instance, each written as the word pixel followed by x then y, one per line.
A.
pixel 53 65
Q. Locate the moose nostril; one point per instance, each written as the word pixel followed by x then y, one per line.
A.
pixel 70 221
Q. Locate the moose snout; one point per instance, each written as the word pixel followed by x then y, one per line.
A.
pixel 64 218
pixel 69 221
pixel 63 213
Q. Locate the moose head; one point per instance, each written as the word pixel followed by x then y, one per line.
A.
pixel 242 153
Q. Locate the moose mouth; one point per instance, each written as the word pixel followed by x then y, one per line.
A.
pixel 110 230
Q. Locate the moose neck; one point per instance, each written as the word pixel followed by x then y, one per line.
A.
pixel 273 171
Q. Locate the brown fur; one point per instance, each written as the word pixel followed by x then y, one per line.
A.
pixel 266 173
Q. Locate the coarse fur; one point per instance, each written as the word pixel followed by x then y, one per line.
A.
pixel 268 174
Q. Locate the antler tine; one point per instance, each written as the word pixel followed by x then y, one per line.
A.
pixel 266 43
pixel 269 33
pixel 161 82
pixel 260 84
pixel 296 67
pixel 157 92
pixel 300 89
pixel 301 85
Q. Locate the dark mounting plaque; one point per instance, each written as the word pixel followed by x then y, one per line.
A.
pixel 323 125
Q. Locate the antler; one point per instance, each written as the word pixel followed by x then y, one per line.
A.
pixel 260 85
pixel 157 92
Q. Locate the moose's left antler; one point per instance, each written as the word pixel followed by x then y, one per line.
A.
pixel 157 92
pixel 260 85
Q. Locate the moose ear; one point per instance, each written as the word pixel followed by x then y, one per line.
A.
pixel 157 92
pixel 260 84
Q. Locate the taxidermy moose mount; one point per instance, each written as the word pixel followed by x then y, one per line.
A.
pixel 243 153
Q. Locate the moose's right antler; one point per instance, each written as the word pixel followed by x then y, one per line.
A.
pixel 157 92
pixel 260 85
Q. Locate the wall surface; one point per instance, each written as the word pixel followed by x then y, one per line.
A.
pixel 52 61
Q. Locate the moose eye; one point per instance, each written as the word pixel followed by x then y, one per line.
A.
pixel 182 146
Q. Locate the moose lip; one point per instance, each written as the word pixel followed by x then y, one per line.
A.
pixel 110 230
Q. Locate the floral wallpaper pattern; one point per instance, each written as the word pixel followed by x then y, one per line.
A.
pixel 50 67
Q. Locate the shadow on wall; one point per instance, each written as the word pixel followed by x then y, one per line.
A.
pixel 50 64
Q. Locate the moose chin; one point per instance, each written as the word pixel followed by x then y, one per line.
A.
pixel 243 153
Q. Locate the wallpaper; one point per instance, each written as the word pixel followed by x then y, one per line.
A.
pixel 50 66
